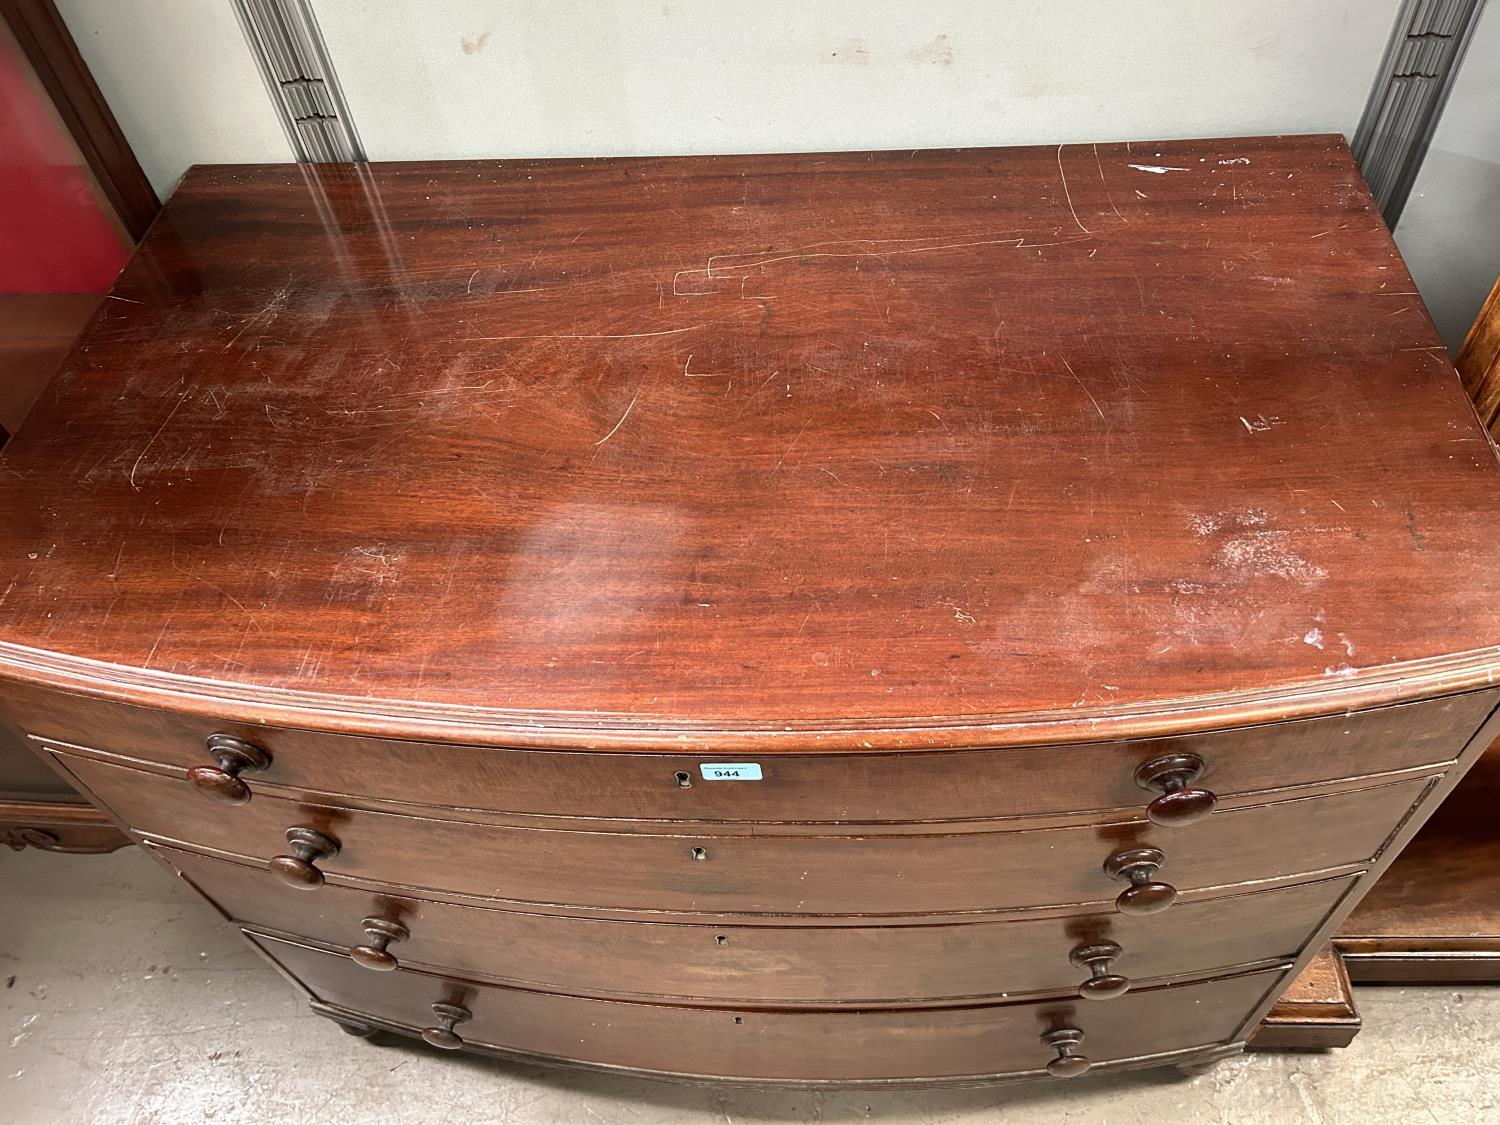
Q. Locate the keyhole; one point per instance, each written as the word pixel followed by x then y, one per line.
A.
pixel 700 853
pixel 720 939
pixel 684 779
pixel 739 1019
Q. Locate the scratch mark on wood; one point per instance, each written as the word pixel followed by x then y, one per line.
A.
pixel 810 251
pixel 219 590
pixel 157 643
pixel 962 615
pixel 1085 389
pixel 271 311
pixel 593 335
pixel 621 422
pixel 181 399
pixel 1107 195
pixel 1067 194
pixel 793 446
pixel 699 374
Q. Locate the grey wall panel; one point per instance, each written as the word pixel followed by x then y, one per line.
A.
pixel 1450 230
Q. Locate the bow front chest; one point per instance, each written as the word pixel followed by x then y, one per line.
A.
pixel 921 616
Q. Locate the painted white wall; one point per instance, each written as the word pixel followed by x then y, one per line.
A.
pixel 473 78
pixel 1449 233
pixel 454 78
pixel 181 83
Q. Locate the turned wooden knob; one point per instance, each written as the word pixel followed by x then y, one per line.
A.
pixel 1096 958
pixel 448 1017
pixel 1139 866
pixel 1172 775
pixel 297 870
pixel 373 954
pixel 235 756
pixel 1066 1041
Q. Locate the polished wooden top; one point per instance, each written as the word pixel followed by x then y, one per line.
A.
pixel 884 449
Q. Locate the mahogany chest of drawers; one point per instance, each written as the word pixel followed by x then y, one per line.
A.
pixel 923 616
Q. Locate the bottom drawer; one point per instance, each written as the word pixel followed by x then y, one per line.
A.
pixel 807 1046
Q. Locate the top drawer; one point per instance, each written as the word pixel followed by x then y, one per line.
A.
pixel 810 787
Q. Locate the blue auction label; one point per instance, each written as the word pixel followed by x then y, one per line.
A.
pixel 730 771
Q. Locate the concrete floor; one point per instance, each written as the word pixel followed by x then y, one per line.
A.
pixel 125 999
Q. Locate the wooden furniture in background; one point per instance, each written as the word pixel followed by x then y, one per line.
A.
pixel 36 331
pixel 1435 915
pixel 1479 363
pixel 38 808
pixel 42 72
pixel 922 616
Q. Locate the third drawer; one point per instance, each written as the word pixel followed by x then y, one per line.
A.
pixel 769 964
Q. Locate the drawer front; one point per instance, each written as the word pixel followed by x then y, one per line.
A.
pixel 778 874
pixel 934 785
pixel 777 964
pixel 870 1044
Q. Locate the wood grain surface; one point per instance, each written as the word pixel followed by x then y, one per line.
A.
pixel 918 448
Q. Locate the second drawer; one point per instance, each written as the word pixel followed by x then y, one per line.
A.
pixel 822 873
pixel 771 964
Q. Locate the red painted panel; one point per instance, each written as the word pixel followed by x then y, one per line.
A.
pixel 56 234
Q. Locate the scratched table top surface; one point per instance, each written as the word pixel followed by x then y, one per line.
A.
pixel 837 445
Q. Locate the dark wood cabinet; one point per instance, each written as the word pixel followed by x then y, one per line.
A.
pixel 926 617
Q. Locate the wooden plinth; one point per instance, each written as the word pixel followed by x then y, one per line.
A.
pixel 1316 1012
